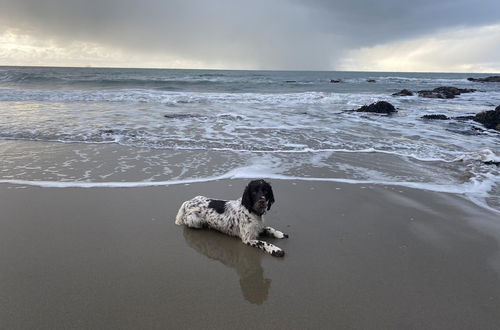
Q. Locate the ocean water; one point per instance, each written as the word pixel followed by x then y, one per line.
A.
pixel 88 127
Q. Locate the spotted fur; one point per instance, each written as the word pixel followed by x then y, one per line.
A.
pixel 242 218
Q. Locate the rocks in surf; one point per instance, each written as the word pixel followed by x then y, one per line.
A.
pixel 378 107
pixel 404 92
pixel 435 117
pixel 486 79
pixel 489 119
pixel 445 92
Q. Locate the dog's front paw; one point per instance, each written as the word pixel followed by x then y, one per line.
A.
pixel 279 234
pixel 278 253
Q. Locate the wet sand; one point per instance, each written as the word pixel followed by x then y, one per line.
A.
pixel 358 257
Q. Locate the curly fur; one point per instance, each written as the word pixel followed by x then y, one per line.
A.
pixel 242 218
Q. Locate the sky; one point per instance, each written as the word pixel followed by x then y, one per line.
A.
pixel 354 35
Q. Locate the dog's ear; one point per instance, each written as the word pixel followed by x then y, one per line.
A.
pixel 246 200
pixel 270 196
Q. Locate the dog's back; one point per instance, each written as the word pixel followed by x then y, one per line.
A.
pixel 220 215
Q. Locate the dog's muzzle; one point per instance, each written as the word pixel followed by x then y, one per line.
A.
pixel 261 206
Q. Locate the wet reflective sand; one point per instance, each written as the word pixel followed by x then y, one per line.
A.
pixel 357 257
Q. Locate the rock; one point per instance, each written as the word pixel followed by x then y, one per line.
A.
pixel 436 95
pixel 371 80
pixel 378 107
pixel 453 90
pixel 489 119
pixel 403 92
pixel 436 117
pixel 491 162
pixel 486 79
pixel 335 81
pixel 445 92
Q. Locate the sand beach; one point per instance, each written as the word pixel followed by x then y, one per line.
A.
pixel 358 257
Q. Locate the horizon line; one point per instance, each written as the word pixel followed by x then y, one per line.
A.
pixel 212 69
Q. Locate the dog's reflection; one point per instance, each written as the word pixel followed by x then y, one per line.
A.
pixel 232 253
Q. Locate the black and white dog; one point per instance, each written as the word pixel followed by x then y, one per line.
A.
pixel 242 218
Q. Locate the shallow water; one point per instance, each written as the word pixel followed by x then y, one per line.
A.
pixel 70 126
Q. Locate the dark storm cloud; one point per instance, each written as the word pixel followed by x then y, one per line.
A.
pixel 373 22
pixel 268 34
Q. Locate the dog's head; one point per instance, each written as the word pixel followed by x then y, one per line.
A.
pixel 258 197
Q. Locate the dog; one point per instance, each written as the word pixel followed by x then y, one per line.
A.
pixel 242 218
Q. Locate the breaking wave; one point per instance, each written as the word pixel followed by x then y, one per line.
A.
pixel 182 126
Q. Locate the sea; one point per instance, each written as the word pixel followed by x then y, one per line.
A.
pixel 107 127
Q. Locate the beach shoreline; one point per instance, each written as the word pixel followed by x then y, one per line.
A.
pixel 358 256
pixel 393 220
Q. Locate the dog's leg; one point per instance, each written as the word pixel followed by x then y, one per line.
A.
pixel 267 247
pixel 271 232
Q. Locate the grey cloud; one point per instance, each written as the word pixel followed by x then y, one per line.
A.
pixel 283 34
pixel 262 33
pixel 373 22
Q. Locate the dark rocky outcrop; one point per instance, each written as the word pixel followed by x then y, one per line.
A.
pixel 486 79
pixel 489 119
pixel 404 92
pixel 378 107
pixel 453 90
pixel 335 81
pixel 435 117
pixel 445 92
